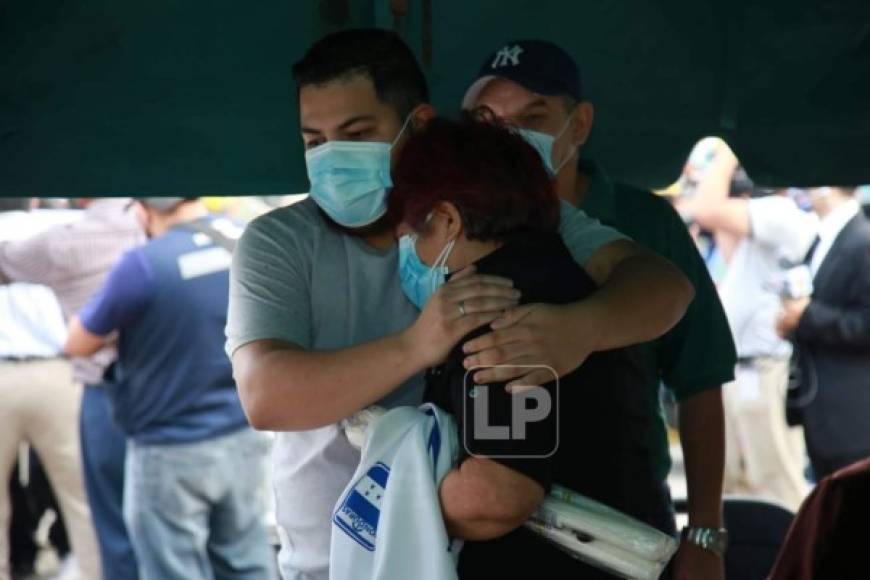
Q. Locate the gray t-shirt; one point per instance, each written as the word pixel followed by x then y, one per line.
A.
pixel 296 278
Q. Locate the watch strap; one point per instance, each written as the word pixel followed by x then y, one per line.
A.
pixel 712 539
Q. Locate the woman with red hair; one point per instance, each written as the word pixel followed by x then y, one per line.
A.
pixel 475 193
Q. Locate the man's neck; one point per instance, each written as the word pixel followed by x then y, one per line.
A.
pixel 834 203
pixel 572 185
pixel 382 241
pixel 185 213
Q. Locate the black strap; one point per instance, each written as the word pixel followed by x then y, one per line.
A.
pixel 204 226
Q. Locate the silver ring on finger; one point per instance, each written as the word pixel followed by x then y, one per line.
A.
pixel 462 307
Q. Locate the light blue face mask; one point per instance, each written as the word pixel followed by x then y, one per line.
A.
pixel 543 144
pixel 350 179
pixel 419 281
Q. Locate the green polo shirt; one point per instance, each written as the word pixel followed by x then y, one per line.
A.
pixel 698 353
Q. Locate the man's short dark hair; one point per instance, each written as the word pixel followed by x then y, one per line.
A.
pixel 377 54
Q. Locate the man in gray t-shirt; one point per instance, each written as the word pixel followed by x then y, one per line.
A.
pixel 318 325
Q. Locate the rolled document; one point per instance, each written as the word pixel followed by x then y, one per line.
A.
pixel 589 530
pixel 602 536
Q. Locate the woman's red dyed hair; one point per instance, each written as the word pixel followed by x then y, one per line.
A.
pixel 495 179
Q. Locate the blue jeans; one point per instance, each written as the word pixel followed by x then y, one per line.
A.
pixel 195 511
pixel 104 448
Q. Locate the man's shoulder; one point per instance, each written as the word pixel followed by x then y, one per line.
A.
pixel 652 221
pixel 111 218
pixel 287 224
pixel 859 234
pixel 863 225
pixel 643 201
pixel 28 225
pixel 300 212
pixel 135 259
pixel 779 207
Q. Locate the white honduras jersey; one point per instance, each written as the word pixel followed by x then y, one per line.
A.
pixel 388 523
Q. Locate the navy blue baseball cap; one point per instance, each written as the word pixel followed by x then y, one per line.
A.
pixel 537 65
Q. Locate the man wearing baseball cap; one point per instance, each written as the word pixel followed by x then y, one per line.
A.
pixel 193 500
pixel 536 86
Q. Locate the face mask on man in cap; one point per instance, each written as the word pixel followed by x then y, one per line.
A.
pixel 543 144
pixel 534 85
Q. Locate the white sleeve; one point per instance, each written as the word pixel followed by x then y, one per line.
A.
pixel 777 222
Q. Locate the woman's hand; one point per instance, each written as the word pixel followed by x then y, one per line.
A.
pixel 532 342
pixel 466 302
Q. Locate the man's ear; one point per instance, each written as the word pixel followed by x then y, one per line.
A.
pixel 584 115
pixel 421 115
pixel 143 215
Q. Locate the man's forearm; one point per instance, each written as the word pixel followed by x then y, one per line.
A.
pixel 702 436
pixel 80 341
pixel 644 297
pixel 833 326
pixel 286 388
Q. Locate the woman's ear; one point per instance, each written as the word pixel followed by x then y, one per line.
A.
pixel 453 227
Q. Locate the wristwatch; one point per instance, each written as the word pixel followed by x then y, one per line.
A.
pixel 713 539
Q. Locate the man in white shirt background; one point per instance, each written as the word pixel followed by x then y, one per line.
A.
pixel 764 456
pixel 39 400
pixel 831 330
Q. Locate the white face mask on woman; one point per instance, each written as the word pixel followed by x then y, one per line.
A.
pixel 419 281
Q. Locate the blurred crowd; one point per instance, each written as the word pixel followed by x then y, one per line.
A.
pixel 791 269
pixel 74 276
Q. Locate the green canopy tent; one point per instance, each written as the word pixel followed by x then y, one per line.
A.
pixel 100 97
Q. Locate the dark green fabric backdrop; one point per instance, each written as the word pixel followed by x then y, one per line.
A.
pixel 109 97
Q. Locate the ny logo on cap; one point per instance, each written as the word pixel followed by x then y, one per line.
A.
pixel 507 55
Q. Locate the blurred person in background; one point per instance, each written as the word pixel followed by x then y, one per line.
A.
pixel 715 249
pixel 764 456
pixel 39 399
pixel 193 494
pixel 73 260
pixel 862 194
pixel 831 329
pixel 536 86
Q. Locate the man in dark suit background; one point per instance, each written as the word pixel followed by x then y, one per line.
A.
pixel 832 333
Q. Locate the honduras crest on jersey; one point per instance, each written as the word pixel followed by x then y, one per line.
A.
pixel 358 514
